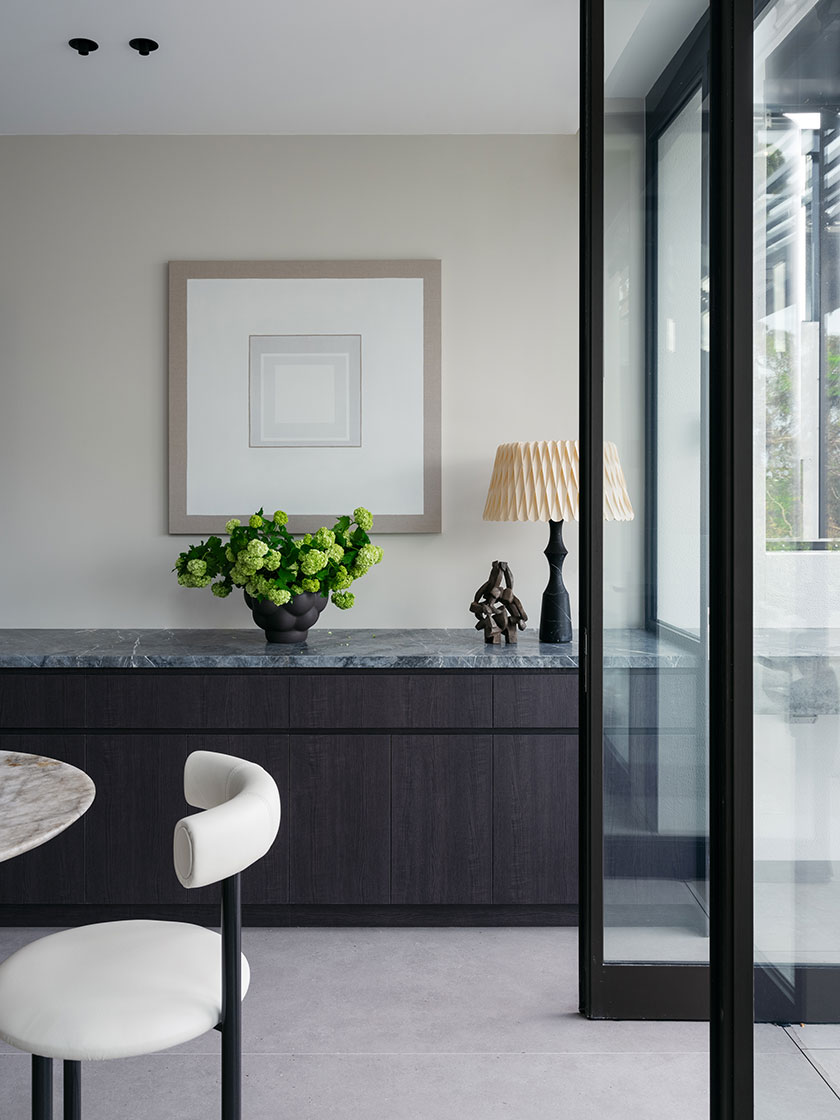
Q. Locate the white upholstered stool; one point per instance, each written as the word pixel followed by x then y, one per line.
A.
pixel 119 989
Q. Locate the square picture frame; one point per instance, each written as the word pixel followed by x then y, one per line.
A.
pixel 312 386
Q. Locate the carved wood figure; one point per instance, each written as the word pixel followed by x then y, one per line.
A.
pixel 497 609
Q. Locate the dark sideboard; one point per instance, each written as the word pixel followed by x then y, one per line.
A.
pixel 425 778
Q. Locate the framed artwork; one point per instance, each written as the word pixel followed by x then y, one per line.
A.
pixel 308 386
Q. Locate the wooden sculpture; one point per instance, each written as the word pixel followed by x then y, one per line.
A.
pixel 497 608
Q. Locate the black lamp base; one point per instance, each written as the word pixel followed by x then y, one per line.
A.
pixel 556 615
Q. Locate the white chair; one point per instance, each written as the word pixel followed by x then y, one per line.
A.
pixel 119 989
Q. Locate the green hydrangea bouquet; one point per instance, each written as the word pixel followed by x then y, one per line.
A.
pixel 269 563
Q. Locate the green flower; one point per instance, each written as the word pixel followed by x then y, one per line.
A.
pixel 371 553
pixel 272 560
pixel 343 599
pixel 255 521
pixel 324 538
pixel 248 563
pixel 335 552
pixel 197 567
pixel 310 585
pixel 257 548
pixel 280 518
pixel 313 561
pixel 296 589
pixel 229 554
pixel 221 589
pixel 367 556
pixel 363 518
pixel 341 580
pixel 279 596
pixel 307 539
pixel 234 523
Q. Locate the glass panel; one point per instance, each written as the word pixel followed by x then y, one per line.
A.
pixel 655 567
pixel 679 380
pixel 797 534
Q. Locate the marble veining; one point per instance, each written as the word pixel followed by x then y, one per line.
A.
pixel 324 649
pixel 39 797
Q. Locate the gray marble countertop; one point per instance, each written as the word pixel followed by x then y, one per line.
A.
pixel 324 649
pixel 39 797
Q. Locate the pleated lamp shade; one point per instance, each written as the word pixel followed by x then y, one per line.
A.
pixel 538 481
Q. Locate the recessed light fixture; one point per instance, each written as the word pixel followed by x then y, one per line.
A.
pixel 83 46
pixel 143 46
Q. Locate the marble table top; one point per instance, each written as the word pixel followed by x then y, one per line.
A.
pixel 323 649
pixel 39 797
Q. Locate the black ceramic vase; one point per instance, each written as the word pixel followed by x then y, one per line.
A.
pixel 292 621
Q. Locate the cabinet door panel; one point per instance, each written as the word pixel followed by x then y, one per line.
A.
pixel 441 819
pixel 388 700
pixel 547 699
pixel 340 819
pixel 172 700
pixel 44 699
pixel 55 871
pixel 535 815
pixel 140 797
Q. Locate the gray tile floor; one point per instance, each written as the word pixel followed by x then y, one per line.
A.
pixel 440 1024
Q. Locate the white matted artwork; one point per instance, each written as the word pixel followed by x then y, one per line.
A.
pixel 308 386
pixel 305 390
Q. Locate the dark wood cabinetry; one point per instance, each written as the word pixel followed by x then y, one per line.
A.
pixel 535 795
pixel 339 818
pixel 441 819
pixel 139 782
pixel 408 796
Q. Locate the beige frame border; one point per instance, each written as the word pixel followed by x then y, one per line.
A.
pixel 429 521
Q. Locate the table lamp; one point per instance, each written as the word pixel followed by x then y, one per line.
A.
pixel 538 481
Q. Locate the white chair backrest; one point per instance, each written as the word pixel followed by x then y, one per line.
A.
pixel 240 822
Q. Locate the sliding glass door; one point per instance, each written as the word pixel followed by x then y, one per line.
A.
pixel 796 532
pixel 710 334
pixel 650 938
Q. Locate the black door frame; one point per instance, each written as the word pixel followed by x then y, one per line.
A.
pixel 607 991
pixel 728 983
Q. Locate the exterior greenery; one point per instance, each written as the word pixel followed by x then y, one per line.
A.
pixel 784 530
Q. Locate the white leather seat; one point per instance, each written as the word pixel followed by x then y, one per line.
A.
pixel 121 989
pixel 127 988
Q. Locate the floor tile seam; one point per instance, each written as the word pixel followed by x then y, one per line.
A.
pixel 811 1062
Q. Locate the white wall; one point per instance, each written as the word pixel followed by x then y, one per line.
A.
pixel 87 225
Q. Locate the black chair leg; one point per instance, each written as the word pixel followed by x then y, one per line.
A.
pixel 72 1090
pixel 231 1000
pixel 42 1088
pixel 231 1074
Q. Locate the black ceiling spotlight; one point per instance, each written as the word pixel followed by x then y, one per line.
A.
pixel 83 46
pixel 143 46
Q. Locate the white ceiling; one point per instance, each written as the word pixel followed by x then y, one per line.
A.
pixel 640 36
pixel 271 66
